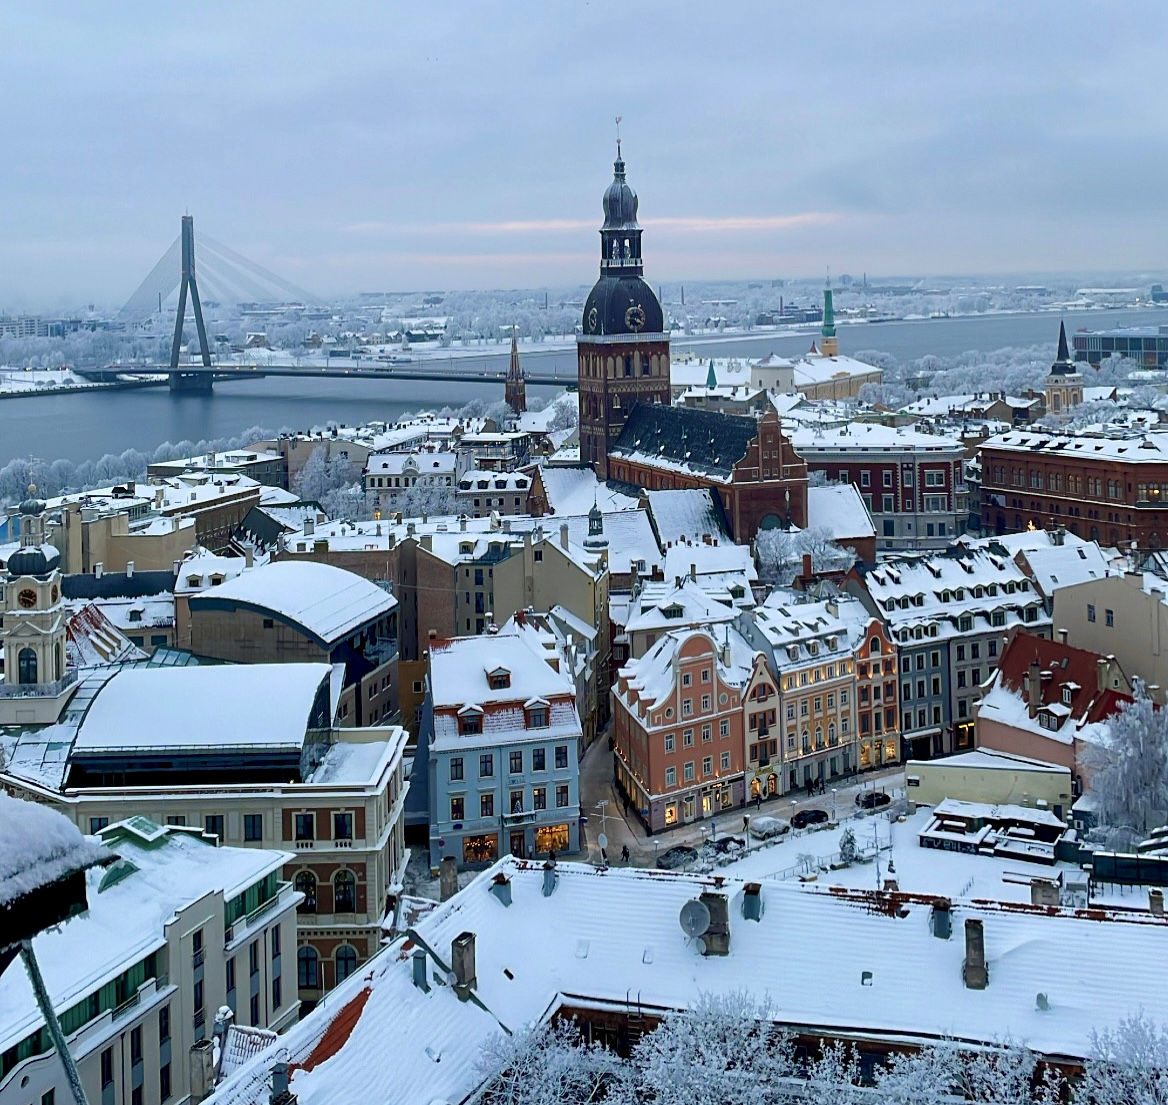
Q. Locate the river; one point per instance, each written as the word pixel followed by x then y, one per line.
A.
pixel 86 425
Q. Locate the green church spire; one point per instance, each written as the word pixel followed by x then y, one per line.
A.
pixel 711 377
pixel 828 329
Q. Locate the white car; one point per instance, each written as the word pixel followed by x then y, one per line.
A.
pixel 766 827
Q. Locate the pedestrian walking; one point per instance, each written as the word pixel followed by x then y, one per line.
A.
pixel 758 801
pixel 625 853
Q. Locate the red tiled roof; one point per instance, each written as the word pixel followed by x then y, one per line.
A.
pixel 1067 664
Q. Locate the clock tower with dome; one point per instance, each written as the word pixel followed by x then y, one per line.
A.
pixel 623 348
pixel 37 678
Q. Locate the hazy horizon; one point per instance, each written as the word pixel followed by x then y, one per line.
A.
pixel 375 148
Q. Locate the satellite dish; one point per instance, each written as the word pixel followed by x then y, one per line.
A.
pixel 602 840
pixel 695 918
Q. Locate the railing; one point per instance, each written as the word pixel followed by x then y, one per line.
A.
pixel 38 690
pixel 130 1002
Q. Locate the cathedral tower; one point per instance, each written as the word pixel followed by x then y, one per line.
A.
pixel 515 389
pixel 828 345
pixel 623 349
pixel 1064 384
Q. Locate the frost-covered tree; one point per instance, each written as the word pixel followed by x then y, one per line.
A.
pixel 567 415
pixel 1127 771
pixel 723 1049
pixel 847 846
pixel 548 1065
pixel 1128 1065
pixel 428 499
pixel 780 552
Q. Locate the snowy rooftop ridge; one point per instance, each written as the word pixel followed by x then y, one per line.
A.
pixel 38 846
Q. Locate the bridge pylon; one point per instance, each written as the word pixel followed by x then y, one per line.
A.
pixel 179 380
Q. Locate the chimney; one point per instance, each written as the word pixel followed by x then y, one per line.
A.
pixel 448 885
pixel 1044 892
pixel 501 888
pixel 98 570
pixel 942 919
pixel 717 936
pixel 1101 674
pixel 129 569
pixel 806 565
pixel 693 572
pixel 418 962
pixel 462 524
pixel 1033 689
pixel 973 970
pixel 1156 902
pixel 428 542
pixel 202 1070
pixel 1062 636
pixel 564 534
pixel 462 962
pixel 752 901
pixel 281 1093
pixel 309 526
pixel 248 557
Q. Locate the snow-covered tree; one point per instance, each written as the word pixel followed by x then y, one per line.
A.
pixel 431 500
pixel 548 1065
pixel 847 846
pixel 1128 1065
pixel 780 552
pixel 723 1049
pixel 1127 772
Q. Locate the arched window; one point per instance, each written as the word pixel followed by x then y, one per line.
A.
pixel 874 647
pixel 344 892
pixel 27 666
pixel 57 660
pixel 308 968
pixel 346 962
pixel 305 883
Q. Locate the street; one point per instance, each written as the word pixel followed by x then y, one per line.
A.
pixel 596 787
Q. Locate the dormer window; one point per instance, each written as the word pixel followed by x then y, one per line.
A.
pixel 135 615
pixel 673 611
pixel 194 581
pixel 216 580
pixel 470 724
pixel 499 679
pixel 1066 696
pixel 537 717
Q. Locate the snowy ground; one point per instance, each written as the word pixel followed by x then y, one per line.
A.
pixel 917 869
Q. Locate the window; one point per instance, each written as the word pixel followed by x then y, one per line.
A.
pixel 708 765
pixel 1090 612
pixel 539 759
pixel 305 883
pixel 562 796
pixel 561 756
pixel 537 718
pixel 457 808
pixel 230 976
pixel 725 761
pixel 307 968
pixel 342 826
pixel 486 805
pixel 1109 615
pixel 686 707
pixel 470 724
pixel 688 773
pixel 671 776
pixel 214 825
pixel 455 768
pixel 539 798
pixel 707 733
pixel 515 763
pixel 887 479
pixel 277 997
pixel 669 742
pixel 176 819
pixel 686 679
pixel 705 675
pixel 516 801
pixel 164 1090
pixel 687 738
pixel 253 957
pixel 253 826
pixel 486 765
pixel 346 962
pixel 706 703
pixel 107 1067
pixel 136 1044
pixel 305 826
pixel 344 892
pixel 724 727
pixel 96 824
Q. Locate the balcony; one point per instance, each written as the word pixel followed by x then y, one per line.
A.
pixel 39 690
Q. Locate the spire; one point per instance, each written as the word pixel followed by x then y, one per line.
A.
pixel 1063 352
pixel 829 345
pixel 711 376
pixel 515 389
pixel 1063 365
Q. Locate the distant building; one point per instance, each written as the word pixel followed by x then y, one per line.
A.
pixel 1064 384
pixel 515 390
pixel 1147 345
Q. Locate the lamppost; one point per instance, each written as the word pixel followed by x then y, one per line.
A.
pixel 833 792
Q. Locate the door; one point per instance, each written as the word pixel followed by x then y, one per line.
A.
pixel 519 844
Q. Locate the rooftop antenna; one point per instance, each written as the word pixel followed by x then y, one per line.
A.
pixel 618 123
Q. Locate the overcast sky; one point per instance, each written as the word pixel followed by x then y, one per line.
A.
pixel 361 146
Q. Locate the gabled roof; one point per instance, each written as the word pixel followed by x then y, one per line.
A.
pixel 703 442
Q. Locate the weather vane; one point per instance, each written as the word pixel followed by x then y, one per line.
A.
pixel 618 123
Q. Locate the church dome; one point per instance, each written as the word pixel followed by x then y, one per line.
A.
pixel 622 305
pixel 28 561
pixel 620 201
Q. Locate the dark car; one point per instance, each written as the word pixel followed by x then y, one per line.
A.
pixel 680 855
pixel 872 799
pixel 809 817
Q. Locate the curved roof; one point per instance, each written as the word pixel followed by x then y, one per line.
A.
pixel 327 603
pixel 616 301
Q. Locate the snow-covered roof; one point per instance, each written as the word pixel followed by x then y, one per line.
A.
pixel 868 437
pixel 815 369
pixel 164 872
pixel 653 677
pixel 839 508
pixel 353 763
pixel 91 639
pixel 675 604
pixel 802 632
pixel 1002 811
pixel 432 463
pixel 541 947
pixel 991 760
pixel 487 479
pixel 690 514
pixel 572 491
pixel 201 567
pixel 210 708
pixel 1106 443
pixel 1061 566
pixel 461 674
pixel 327 602
pixel 40 846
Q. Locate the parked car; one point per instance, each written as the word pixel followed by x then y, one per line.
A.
pixel 809 817
pixel 766 827
pixel 680 855
pixel 872 799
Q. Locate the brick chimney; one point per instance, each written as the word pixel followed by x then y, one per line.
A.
pixel 1033 689
pixel 973 971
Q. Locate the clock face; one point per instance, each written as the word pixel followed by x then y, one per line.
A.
pixel 634 318
pixel 592 321
pixel 27 598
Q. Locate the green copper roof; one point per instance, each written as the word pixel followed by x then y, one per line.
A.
pixel 828 329
pixel 711 377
